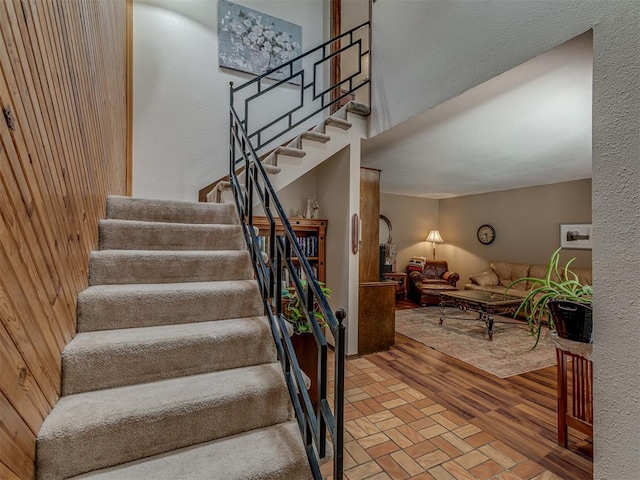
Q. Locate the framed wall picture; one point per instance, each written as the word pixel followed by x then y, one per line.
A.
pixel 576 235
pixel 255 42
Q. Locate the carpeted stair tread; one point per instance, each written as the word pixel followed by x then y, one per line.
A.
pixel 135 235
pixel 173 372
pixel 94 430
pixel 358 108
pixel 223 187
pixel 309 135
pixel 315 136
pixel 268 169
pixel 141 209
pixel 352 107
pixel 290 152
pixel 271 169
pixel 114 358
pixel 110 267
pixel 271 453
pixel 339 118
pixel 338 122
pixel 271 159
pixel 108 307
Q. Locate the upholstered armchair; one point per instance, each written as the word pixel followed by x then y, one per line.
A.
pixel 434 278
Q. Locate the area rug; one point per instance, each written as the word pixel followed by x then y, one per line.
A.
pixel 465 338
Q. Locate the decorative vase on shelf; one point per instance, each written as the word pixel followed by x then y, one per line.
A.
pixel 308 212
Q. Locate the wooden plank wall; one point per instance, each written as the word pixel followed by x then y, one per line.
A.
pixel 63 144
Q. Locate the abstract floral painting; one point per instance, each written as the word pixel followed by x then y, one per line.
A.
pixel 254 42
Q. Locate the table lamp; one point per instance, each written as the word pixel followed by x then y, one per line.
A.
pixel 434 237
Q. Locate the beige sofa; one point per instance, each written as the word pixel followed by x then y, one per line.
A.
pixel 501 274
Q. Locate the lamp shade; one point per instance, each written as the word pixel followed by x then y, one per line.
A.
pixel 434 236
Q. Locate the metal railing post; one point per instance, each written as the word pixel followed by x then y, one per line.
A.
pixel 314 421
pixel 338 392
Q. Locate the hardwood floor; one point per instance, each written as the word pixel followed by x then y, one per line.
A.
pixel 412 412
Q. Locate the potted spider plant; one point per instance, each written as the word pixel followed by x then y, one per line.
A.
pixel 560 300
pixel 294 311
pixel 303 341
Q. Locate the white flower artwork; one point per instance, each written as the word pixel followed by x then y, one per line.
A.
pixel 254 42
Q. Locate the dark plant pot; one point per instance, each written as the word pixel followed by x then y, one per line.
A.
pixel 306 350
pixel 573 321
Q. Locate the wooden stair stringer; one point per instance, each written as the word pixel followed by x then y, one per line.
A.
pixel 304 152
pixel 317 153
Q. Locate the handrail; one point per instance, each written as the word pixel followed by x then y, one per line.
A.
pixel 315 422
pixel 355 38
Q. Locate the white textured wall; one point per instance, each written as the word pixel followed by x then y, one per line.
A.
pixel 337 204
pixel 181 96
pixel 294 196
pixel 616 254
pixel 429 51
pixel 334 206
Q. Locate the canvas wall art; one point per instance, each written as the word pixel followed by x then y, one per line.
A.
pixel 254 42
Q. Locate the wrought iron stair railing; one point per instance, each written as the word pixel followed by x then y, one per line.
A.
pixel 315 417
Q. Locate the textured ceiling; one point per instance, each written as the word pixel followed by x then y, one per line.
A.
pixel 528 126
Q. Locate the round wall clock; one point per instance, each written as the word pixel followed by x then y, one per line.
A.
pixel 486 234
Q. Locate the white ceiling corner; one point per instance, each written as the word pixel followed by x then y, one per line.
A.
pixel 528 126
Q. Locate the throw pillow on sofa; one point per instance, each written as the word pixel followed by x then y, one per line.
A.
pixel 485 279
pixel 510 272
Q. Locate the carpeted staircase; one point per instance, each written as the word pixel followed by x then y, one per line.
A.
pixel 297 149
pixel 173 373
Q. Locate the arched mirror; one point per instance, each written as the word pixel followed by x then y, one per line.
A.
pixel 385 229
pixel 388 248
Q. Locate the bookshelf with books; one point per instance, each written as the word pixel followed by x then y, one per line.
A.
pixel 310 233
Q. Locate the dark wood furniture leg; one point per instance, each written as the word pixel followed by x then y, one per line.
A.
pixel 562 397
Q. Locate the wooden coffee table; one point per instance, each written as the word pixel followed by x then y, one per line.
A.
pixel 486 304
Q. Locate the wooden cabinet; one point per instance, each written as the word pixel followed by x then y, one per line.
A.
pixel 376 317
pixel 376 300
pixel 400 281
pixel 311 234
pixel 369 263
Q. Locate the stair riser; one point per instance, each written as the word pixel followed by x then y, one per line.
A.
pixel 125 235
pixel 107 311
pixel 127 208
pixel 209 348
pixel 114 441
pixel 121 267
pixel 271 453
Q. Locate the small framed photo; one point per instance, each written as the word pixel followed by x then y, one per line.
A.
pixel 576 235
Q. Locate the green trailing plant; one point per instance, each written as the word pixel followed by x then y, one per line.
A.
pixel 559 283
pixel 293 310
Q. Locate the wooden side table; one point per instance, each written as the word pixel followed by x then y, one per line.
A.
pixel 376 317
pixel 575 357
pixel 401 282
